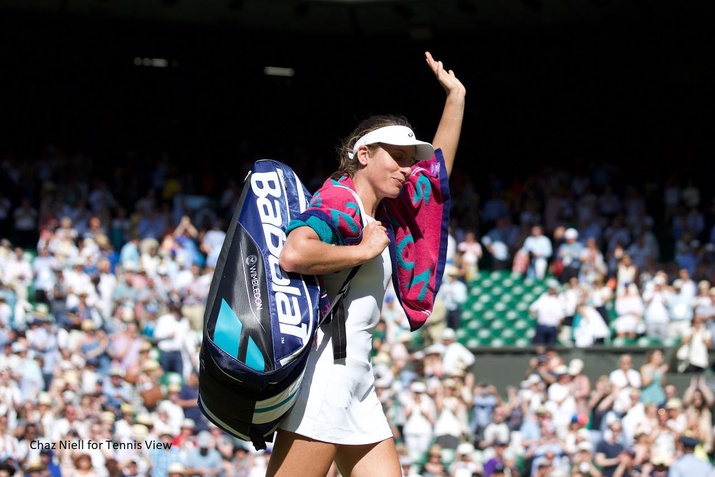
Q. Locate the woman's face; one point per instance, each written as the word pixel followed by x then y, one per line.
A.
pixel 697 398
pixel 388 168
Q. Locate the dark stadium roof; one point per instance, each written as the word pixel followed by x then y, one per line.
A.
pixel 547 79
pixel 415 18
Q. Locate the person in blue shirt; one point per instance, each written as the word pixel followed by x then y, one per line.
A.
pixel 688 465
pixel 49 462
pixel 485 400
pixel 204 459
pixel 162 458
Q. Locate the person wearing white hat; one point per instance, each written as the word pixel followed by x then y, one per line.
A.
pixel 465 463
pixel 569 254
pixel 369 213
pixel 561 399
pixel 421 413
pixel 176 469
pixel 457 357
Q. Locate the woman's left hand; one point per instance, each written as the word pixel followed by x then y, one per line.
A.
pixel 446 78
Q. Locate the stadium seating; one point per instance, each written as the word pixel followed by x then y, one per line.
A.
pixel 496 313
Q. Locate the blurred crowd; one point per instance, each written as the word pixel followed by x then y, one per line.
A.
pixel 104 281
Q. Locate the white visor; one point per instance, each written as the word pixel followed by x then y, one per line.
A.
pixel 395 136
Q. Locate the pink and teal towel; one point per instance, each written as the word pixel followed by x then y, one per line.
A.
pixel 417 222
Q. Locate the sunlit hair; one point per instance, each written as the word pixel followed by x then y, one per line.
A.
pixel 350 166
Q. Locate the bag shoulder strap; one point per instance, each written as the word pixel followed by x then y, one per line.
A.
pixel 336 313
pixel 336 317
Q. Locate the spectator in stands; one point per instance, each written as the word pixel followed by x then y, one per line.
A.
pixel 486 399
pixel 689 287
pixel 610 450
pixel 547 450
pixel 465 463
pixel 629 308
pixel 470 252
pixel 572 295
pixel 453 293
pixel 693 353
pixel 656 298
pixel 497 432
pixel 580 385
pixel 589 327
pixel 634 416
pixel 549 313
pixel 93 346
pixel 211 241
pixel 560 399
pixel 539 248
pixel 195 295
pixel 420 413
pixel 663 437
pixel 582 461
pixel 568 254
pixel 653 377
pixel 532 428
pixel 452 421
pixel 161 457
pixel 43 273
pixel 703 303
pixel 698 400
pixel 188 400
pixel 434 467
pixel 500 242
pixel 42 340
pixel 677 420
pixel 641 252
pixel 115 389
pixel 593 264
pixel 624 379
pixel 688 465
pixel 129 254
pixel 16 273
pixel 686 254
pixel 170 335
pixel 204 460
pixel 681 308
pixel 456 357
pixel 396 324
pixel 126 345
pixel 627 273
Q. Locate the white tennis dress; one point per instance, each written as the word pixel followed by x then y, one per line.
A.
pixel 337 401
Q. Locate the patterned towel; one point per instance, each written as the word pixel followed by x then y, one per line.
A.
pixel 417 222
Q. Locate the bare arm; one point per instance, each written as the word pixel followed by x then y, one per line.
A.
pixel 646 377
pixel 450 125
pixel 707 393
pixel 689 391
pixel 305 253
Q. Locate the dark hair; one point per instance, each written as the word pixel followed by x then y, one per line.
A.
pixel 345 148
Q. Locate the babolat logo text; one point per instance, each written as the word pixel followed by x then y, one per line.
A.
pixel 252 274
pixel 268 190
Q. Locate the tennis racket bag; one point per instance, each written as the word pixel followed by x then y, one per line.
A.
pixel 260 322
